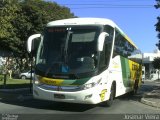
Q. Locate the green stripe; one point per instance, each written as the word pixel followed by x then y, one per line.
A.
pixel 75 82
pixel 125 71
pixel 80 81
pixel 68 82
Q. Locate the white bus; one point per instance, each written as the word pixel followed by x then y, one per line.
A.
pixel 85 60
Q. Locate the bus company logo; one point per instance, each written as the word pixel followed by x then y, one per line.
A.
pixel 102 95
pixel 115 64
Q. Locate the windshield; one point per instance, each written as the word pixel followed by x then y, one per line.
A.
pixel 68 50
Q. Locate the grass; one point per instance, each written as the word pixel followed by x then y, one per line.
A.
pixel 14 83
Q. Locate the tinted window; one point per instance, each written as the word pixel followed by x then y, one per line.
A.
pixel 124 48
pixel 68 50
pixel 105 54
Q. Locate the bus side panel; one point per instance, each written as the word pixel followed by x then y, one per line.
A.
pixel 124 72
pixel 136 73
pixel 116 75
pixel 131 72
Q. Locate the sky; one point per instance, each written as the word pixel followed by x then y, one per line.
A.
pixel 135 17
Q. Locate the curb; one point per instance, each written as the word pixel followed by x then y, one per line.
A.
pixel 150 103
pixel 14 90
pixel 21 94
pixel 17 98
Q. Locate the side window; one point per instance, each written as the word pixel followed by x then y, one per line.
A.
pixel 102 64
pixel 110 31
pixel 119 45
pixel 108 43
pixel 105 54
pixel 122 46
pixel 135 55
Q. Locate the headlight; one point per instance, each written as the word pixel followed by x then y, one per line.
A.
pixel 90 85
pixel 36 80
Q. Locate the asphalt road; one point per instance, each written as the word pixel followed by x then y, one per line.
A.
pixel 37 109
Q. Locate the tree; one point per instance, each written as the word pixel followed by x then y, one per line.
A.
pixel 156 64
pixel 21 18
pixel 158 24
pixel 8 14
pixel 158 4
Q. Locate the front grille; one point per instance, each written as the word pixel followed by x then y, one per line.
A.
pixel 60 88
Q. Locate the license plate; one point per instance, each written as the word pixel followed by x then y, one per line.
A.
pixel 59 96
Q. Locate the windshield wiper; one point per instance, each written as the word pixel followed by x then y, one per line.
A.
pixel 53 64
pixel 66 47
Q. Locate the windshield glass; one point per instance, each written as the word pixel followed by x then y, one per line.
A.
pixel 68 50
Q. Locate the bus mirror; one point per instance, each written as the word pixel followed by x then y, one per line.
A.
pixel 101 40
pixel 32 43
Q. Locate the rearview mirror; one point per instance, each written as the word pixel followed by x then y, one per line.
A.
pixel 33 42
pixel 101 40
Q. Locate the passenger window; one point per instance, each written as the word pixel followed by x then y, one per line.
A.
pixel 107 47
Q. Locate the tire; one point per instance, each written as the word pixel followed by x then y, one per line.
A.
pixel 23 77
pixel 135 89
pixel 109 102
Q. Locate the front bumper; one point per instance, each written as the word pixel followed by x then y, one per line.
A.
pixel 89 96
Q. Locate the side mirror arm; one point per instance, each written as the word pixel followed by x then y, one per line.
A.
pixel 29 42
pixel 101 40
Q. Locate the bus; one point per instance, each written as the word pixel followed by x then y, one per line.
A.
pixel 86 61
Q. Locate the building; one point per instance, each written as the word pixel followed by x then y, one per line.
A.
pixel 147 62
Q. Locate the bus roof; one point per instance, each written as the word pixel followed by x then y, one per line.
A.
pixel 89 21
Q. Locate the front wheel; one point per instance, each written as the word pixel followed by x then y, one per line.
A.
pixel 109 102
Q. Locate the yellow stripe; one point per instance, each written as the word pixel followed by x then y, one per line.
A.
pixel 126 37
pixel 129 40
pixel 50 81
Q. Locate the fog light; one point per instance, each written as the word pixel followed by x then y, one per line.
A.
pixel 88 96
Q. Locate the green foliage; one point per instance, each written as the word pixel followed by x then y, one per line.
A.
pixel 156 63
pixel 7 14
pixel 158 4
pixel 21 18
pixel 158 24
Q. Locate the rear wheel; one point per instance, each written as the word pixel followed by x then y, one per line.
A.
pixel 135 89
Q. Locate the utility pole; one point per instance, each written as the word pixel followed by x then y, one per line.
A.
pixel 31 62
